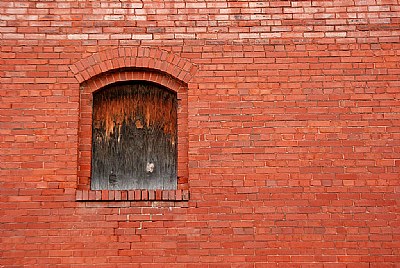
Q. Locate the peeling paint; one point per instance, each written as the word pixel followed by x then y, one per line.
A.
pixel 134 136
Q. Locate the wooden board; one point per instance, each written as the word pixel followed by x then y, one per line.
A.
pixel 134 140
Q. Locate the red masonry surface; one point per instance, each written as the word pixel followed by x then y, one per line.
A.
pixel 288 133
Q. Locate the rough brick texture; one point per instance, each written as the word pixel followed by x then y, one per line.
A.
pixel 292 156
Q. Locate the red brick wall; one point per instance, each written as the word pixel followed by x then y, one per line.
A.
pixel 293 152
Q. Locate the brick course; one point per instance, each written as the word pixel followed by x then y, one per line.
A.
pixel 293 133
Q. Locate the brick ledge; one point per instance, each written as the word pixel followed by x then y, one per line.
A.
pixel 132 195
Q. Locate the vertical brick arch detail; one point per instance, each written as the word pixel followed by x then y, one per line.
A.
pixel 133 57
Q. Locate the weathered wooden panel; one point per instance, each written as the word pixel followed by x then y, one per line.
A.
pixel 134 137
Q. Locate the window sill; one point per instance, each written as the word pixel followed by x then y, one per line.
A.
pixel 132 195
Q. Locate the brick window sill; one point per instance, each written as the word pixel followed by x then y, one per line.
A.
pixel 132 195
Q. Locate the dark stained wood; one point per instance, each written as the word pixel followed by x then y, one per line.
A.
pixel 134 142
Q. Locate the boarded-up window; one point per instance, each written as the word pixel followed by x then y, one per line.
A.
pixel 134 140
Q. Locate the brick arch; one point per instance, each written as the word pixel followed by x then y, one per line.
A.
pixel 133 57
pixel 132 74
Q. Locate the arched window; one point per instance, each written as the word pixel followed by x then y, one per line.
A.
pixel 134 137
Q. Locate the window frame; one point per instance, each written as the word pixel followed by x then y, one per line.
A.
pixel 84 193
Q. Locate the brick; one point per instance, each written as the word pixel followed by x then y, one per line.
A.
pixel 287 133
